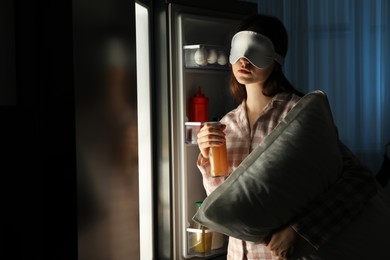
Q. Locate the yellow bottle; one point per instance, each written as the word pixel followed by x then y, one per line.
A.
pixel 202 237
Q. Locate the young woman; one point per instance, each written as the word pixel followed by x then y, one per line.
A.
pixel 266 96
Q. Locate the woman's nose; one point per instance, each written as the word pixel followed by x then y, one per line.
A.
pixel 243 60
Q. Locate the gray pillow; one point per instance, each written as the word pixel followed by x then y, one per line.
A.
pixel 294 164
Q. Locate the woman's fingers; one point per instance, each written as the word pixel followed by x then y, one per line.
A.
pixel 210 135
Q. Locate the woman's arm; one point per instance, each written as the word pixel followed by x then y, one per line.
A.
pixel 209 135
pixel 209 183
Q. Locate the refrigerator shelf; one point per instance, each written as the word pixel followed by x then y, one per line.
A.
pixel 205 57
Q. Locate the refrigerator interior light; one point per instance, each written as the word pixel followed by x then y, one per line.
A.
pixel 144 132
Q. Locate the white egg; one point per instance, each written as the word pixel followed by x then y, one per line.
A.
pixel 200 56
pixel 222 59
pixel 212 56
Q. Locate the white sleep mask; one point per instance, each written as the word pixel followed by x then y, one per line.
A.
pixel 256 48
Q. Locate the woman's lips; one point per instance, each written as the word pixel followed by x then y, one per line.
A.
pixel 244 71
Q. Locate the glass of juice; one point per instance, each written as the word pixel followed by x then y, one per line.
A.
pixel 218 159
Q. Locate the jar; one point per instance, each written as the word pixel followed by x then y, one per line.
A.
pixel 201 237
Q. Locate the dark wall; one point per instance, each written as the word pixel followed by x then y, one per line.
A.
pixel 37 131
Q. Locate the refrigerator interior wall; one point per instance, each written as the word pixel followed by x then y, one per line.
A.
pixel 192 29
pixel 214 82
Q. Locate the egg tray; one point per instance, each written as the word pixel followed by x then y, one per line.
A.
pixel 202 56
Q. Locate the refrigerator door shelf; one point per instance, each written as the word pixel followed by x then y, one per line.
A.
pixel 192 129
pixel 202 56
pixel 205 242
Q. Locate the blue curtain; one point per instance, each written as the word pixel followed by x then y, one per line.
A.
pixel 342 48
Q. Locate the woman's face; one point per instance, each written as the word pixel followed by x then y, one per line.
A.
pixel 246 73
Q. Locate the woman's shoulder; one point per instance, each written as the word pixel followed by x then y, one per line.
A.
pixel 287 99
pixel 294 99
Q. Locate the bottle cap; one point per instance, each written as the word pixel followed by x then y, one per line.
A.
pixel 199 97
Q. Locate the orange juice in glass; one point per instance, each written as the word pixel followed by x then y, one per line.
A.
pixel 218 159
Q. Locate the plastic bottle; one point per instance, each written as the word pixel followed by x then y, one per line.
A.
pixel 199 107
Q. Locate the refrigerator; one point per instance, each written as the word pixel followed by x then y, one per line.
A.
pixel 192 51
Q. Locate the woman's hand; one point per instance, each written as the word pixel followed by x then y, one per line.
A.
pixel 281 243
pixel 210 135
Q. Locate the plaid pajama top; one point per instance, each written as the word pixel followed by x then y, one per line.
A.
pixel 315 225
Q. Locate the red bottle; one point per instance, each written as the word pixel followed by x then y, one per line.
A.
pixel 199 107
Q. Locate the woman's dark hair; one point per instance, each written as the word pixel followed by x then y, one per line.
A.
pixel 274 29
